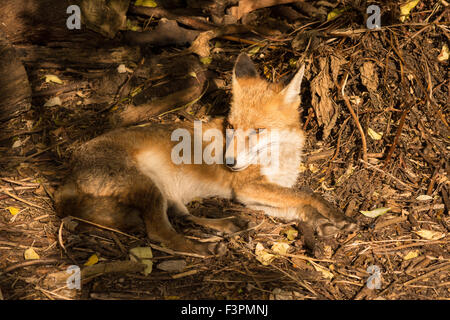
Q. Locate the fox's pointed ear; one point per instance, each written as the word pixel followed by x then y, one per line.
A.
pixel 291 92
pixel 243 68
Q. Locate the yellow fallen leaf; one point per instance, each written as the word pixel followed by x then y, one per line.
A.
pixel 143 255
pixel 13 210
pixel 206 60
pixel 280 247
pixel 142 252
pixel 327 274
pixel 374 135
pixel 92 260
pixel 254 50
pixel 336 13
pixel 132 25
pixel 406 8
pixel 376 212
pixel 146 3
pixel 290 233
pixel 293 62
pixel 313 168
pixel 53 78
pixel 430 235
pixel 262 255
pixel 148 266
pixel 411 255
pixel 444 55
pixel 30 254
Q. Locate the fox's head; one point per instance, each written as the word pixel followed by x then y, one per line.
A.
pixel 260 112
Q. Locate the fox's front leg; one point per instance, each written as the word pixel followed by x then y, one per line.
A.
pixel 295 204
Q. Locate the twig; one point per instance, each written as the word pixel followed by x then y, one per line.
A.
pixel 184 274
pixel 30 263
pixel 371 166
pixel 397 135
pixel 355 118
pixel 20 199
pixel 445 267
pixel 246 41
pixel 338 145
pixel 153 246
pixel 390 222
pixel 405 246
pixel 163 13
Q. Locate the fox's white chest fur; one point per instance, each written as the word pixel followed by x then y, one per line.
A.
pixel 289 158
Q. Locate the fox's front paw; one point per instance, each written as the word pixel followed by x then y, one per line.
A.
pixel 329 227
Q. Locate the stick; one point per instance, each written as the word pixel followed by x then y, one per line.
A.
pixel 397 135
pixel 387 174
pixel 355 118
pixel 20 199
pixel 446 266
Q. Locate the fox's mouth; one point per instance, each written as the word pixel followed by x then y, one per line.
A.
pixel 252 157
pixel 239 168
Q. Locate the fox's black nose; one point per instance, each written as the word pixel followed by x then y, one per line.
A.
pixel 230 162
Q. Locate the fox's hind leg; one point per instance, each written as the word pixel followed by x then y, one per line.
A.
pixel 125 200
pixel 150 201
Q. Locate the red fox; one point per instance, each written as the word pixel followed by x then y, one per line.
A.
pixel 136 176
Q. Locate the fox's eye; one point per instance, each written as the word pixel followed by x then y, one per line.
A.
pixel 261 130
pixel 230 126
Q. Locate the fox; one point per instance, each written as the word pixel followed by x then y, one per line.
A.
pixel 129 178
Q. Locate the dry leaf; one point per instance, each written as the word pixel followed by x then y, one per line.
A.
pixel 376 212
pixel 262 255
pixel 13 210
pixel 430 235
pixel 327 274
pixel 200 46
pixel 172 265
pixel 53 78
pixel 280 247
pixel 206 60
pixel 55 101
pixel 335 13
pixel 92 260
pixel 424 197
pixel 254 50
pixel 121 69
pixel 324 107
pixel 313 168
pixel 143 255
pixel 30 254
pixel 411 255
pixel 406 8
pixel 290 233
pixel 146 3
pixel 444 55
pixel 374 135
pixel 369 76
